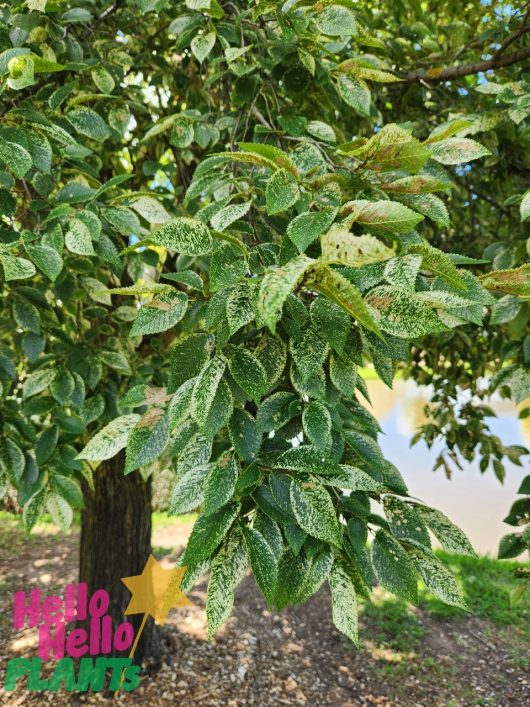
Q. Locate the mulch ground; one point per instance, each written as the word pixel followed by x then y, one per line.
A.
pixel 259 658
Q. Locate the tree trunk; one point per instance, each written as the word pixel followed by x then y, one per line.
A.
pixel 116 542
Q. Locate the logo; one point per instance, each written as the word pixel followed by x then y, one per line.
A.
pixel 84 655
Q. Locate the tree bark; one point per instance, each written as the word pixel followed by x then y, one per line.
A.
pixel 116 542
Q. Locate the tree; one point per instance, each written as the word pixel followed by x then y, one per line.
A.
pixel 213 214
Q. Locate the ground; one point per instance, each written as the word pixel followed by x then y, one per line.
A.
pixel 428 655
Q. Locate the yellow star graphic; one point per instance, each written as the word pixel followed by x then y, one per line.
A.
pixel 156 591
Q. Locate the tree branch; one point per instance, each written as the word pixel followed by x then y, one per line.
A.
pixel 454 72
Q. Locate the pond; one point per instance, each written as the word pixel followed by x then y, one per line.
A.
pixel 476 502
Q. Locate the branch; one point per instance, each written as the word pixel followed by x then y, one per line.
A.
pixel 455 72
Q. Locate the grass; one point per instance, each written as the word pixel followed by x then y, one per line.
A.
pixel 487 584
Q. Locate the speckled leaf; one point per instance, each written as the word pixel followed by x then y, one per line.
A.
pixel 276 286
pixel 248 373
pixel 405 522
pixel 439 580
pixel 160 314
pixel 315 513
pixel 393 567
pixel 264 562
pixel 338 289
pixel 455 150
pixel 307 227
pixel 229 215
pixel 185 235
pixel 355 93
pixel 340 246
pixel 344 602
pixel 316 420
pixel 87 122
pixel 148 440
pixel 220 484
pixel 202 45
pixel 385 216
pixel 449 535
pixel 208 533
pixel 245 435
pixel 205 389
pixel 308 352
pixel 108 442
pixel 281 192
pixel 402 314
pixel 403 271
pixel 188 492
pixel 227 570
pixel 78 238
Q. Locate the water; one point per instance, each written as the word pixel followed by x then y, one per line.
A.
pixel 476 502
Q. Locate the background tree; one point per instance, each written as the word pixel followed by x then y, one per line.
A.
pixel 260 276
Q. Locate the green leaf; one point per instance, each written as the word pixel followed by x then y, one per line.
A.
pixel 336 21
pixel 315 512
pixel 160 314
pixel 151 210
pixel 403 271
pixel 440 264
pixel 384 216
pixel 220 484
pixel 89 123
pixel 525 206
pixel 332 323
pixel 248 373
pixel 46 259
pixel 438 579
pixel 307 227
pixel 110 440
pixel 514 282
pixel 316 420
pixel 69 489
pixel 277 410
pixel 37 382
pixel 244 435
pixel 448 534
pixel 229 215
pixel 182 133
pixel 269 155
pixel 355 93
pixel 187 358
pixel 308 352
pixel 205 389
pixel 147 441
pixel 338 289
pixel 227 570
pixel 393 567
pixel 344 602
pixel 78 238
pixel 185 235
pixel 264 562
pixel 277 285
pixel 188 492
pixel 454 150
pixel 202 45
pixel 16 268
pixel 402 314
pixel 60 511
pixel 16 157
pixel 340 246
pixel 505 309
pixel 281 192
pixel 33 509
pixel 405 523
pixel 308 459
pixel 208 533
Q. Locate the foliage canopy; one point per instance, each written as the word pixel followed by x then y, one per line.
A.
pixel 213 213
